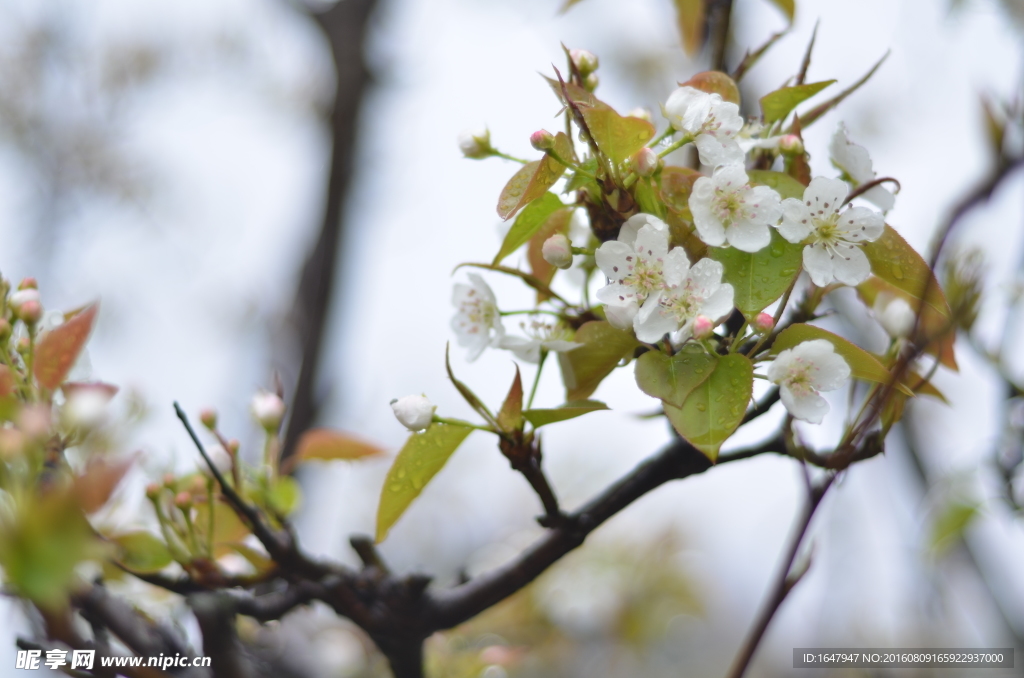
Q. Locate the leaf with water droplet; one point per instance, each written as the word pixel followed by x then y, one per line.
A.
pixel 584 368
pixel 542 417
pixel 533 180
pixel 422 456
pixel 616 136
pixel 759 278
pixel 780 103
pixel 529 221
pixel 671 379
pixel 715 408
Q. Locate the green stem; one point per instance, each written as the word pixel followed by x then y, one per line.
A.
pixel 460 422
pixel 589 251
pixel 679 143
pixel 664 135
pixel 533 311
pixel 739 336
pixel 570 165
pixel 509 157
pixel 536 378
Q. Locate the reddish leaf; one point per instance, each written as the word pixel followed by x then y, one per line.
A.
pixel 715 82
pixel 7 382
pixel 59 348
pixel 94 487
pixel 327 445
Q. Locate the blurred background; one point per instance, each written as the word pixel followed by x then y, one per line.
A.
pixel 174 160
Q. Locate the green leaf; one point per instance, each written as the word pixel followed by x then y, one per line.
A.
pixel 785 185
pixel 228 528
pixel 690 22
pixel 716 407
pixel 528 184
pixel 617 136
pixel 467 393
pixel 715 82
pixel 284 495
pixel 788 8
pixel 142 552
pixel 895 261
pixel 673 378
pixel 510 417
pixel 570 410
pixel 863 365
pixel 423 455
pixel 585 367
pixel 528 223
pixel 951 524
pixel 780 103
pixel 761 277
pixel 557 222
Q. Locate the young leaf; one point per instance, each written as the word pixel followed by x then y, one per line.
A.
pixel 788 8
pixel 951 524
pixel 557 222
pixel 690 20
pixel 142 552
pixel 617 136
pixel 716 407
pixel 59 348
pixel 676 186
pixel 761 277
pixel 467 393
pixel 812 115
pixel 646 193
pixel 895 261
pixel 785 185
pixel 673 378
pixel 528 184
pixel 228 528
pixel 423 455
pixel 327 445
pixel 510 417
pixel 571 410
pixel 863 365
pixel 715 82
pixel 528 223
pixel 585 367
pixel 101 477
pixel 284 495
pixel 780 103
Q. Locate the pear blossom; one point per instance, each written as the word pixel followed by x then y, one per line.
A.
pixel 476 144
pixel 477 322
pixel 633 264
pixel 802 372
pixel 415 412
pixel 833 240
pixel 268 409
pixel 557 251
pixel 687 294
pixel 895 315
pixel 727 209
pixel 549 337
pixel 855 164
pixel 712 122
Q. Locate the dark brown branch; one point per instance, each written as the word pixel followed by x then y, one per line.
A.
pixel 719 30
pixel 865 187
pixel 215 612
pixel 142 636
pixel 784 582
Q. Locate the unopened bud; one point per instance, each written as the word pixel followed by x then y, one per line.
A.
pixel 199 484
pixel 476 145
pixel 703 327
pixel 585 62
pixel 183 500
pixel 22 297
pixel 234 446
pixel 169 480
pixel 28 284
pixel 542 140
pixel 30 312
pixel 268 408
pixel 557 251
pixel 209 418
pixel 764 323
pixel 5 329
pixel 895 315
pixel 414 412
pixel 591 82
pixel 153 491
pixel 24 345
pixel 642 113
pixel 646 161
pixel 791 144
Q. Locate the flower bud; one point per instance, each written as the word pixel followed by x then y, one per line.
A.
pixel 476 145
pixel 557 251
pixel 233 446
pixel 153 491
pixel 183 500
pixel 22 297
pixel 30 312
pixel 791 144
pixel 585 62
pixel 895 315
pixel 24 345
pixel 268 408
pixel 702 327
pixel 764 322
pixel 5 329
pixel 646 161
pixel 28 284
pixel 208 417
pixel 591 82
pixel 542 140
pixel 414 412
pixel 169 480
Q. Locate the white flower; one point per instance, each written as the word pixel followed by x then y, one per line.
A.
pixel 86 405
pixel 855 164
pixel 726 208
pixel 687 294
pixel 551 337
pixel 268 409
pixel 557 251
pixel 804 370
pixel 712 122
pixel 21 297
pixel 414 412
pixel 833 239
pixel 477 323
pixel 894 314
pixel 219 456
pixel 475 144
pixel 633 264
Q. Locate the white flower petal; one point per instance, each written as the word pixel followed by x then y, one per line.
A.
pixel 810 407
pixel 687 108
pixel 850 157
pixel 859 224
pixel 824 196
pixel 628 230
pixel 651 324
pixel 830 373
pixel 560 345
pixel 748 236
pixel 818 264
pixel 709 228
pixel 621 316
pixel 796 221
pixel 651 243
pixel 715 151
pixel 719 304
pixel 707 275
pixel 880 197
pixel 677 266
pixel 611 258
pixel 850 265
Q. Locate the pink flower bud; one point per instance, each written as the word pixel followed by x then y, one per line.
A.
pixel 791 144
pixel 22 297
pixel 646 162
pixel 234 446
pixel 702 327
pixel 585 62
pixel 5 329
pixel 764 323
pixel 542 140
pixel 209 418
pixel 153 491
pixel 28 284
pixel 268 409
pixel 557 251
pixel 30 312
pixel 183 500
